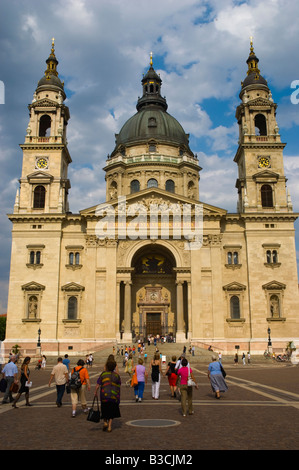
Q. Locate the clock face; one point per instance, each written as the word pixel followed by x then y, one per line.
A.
pixel 42 163
pixel 264 162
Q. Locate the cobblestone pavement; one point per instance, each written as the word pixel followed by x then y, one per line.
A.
pixel 260 411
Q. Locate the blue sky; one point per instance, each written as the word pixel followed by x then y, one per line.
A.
pixel 200 49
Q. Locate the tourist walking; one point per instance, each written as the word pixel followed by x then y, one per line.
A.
pixel 172 376
pixel 216 378
pixel 66 362
pixel 186 391
pixel 142 380
pixel 155 371
pixel 78 387
pixel 10 374
pixel 129 369
pixel 109 383
pixel 112 359
pixel 25 383
pixel 60 375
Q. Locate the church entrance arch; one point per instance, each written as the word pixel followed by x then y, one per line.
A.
pixel 153 292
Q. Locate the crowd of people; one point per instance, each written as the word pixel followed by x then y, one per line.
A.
pixel 76 381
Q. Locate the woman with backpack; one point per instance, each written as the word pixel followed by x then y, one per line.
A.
pixel 78 383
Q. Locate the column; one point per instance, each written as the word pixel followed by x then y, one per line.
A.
pixel 117 319
pixel 180 333
pixel 127 336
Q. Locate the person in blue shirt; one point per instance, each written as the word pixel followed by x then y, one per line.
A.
pixel 10 374
pixel 216 378
pixel 66 362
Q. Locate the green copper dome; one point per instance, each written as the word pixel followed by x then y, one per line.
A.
pixel 152 122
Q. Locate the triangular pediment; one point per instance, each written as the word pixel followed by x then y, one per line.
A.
pixel 154 196
pixel 234 286
pixel 40 174
pixel 72 287
pixel 266 175
pixel 260 102
pixel 274 285
pixel 33 286
pixel 45 102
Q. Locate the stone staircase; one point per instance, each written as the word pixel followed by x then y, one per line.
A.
pixel 165 349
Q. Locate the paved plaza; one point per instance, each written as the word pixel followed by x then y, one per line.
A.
pixel 260 411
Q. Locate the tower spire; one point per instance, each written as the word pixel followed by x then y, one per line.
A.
pixel 253 76
pixel 253 61
pixel 51 62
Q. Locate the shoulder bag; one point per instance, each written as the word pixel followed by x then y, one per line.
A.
pixel 134 380
pixel 190 381
pixel 94 415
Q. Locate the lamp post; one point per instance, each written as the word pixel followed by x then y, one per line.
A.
pixel 38 339
pixel 38 346
pixel 269 340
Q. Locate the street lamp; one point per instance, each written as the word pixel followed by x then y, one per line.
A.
pixel 38 339
pixel 269 339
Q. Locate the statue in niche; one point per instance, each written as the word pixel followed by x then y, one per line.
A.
pixel 32 307
pixel 274 306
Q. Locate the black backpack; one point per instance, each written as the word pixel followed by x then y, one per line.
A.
pixel 75 382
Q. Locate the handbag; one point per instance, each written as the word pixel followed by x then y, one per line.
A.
pixel 94 415
pixel 3 385
pixel 222 371
pixel 14 387
pixel 134 380
pixel 190 381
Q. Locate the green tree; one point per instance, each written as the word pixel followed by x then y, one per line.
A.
pixel 2 328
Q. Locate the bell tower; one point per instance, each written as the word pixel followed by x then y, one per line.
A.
pixel 44 183
pixel 261 181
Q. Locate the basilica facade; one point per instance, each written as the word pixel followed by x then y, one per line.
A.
pixel 128 267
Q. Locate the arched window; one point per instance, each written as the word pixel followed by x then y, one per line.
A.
pixel 236 257
pixel 135 186
pixel 260 124
pixel 72 307
pixel 229 257
pixel 71 258
pixel 45 126
pixel 77 258
pixel 169 186
pixel 152 183
pixel 266 196
pixel 37 257
pixel 274 256
pixel 235 307
pixel 39 197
